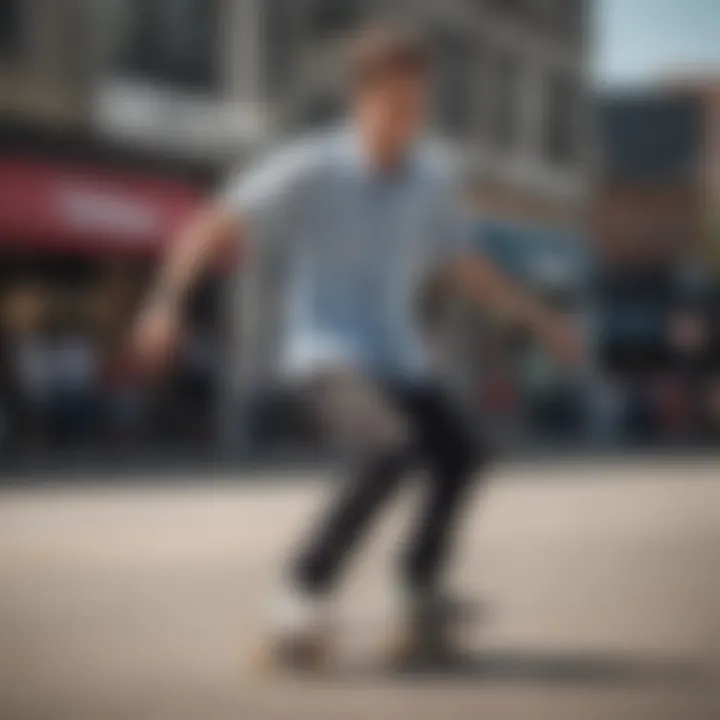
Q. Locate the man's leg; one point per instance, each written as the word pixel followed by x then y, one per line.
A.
pixel 453 458
pixel 351 411
pixel 354 412
pixel 433 535
pixel 371 483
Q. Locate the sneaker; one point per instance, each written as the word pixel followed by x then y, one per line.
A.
pixel 300 635
pixel 432 628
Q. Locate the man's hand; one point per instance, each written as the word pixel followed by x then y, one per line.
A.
pixel 158 331
pixel 482 281
pixel 563 341
pixel 157 334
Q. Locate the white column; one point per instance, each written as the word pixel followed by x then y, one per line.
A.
pixel 242 36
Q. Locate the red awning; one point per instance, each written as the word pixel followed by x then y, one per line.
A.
pixel 66 207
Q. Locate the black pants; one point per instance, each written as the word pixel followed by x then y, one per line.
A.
pixel 389 429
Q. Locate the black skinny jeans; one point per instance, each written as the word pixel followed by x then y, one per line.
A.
pixel 389 429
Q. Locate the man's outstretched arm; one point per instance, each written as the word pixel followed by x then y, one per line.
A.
pixel 478 278
pixel 199 244
pixel 263 197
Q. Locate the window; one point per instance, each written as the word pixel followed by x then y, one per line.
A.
pixel 561 122
pixel 320 110
pixel 279 45
pixel 172 42
pixel 334 17
pixel 505 101
pixel 455 81
pixel 12 28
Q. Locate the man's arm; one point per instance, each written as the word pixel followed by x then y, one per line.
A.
pixel 479 279
pixel 200 243
pixel 259 201
pixel 208 235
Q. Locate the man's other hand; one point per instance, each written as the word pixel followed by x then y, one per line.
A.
pixel 157 335
pixel 564 341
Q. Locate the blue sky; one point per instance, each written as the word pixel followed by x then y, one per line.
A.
pixel 637 40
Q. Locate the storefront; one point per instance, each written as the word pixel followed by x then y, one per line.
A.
pixel 58 206
pixel 79 233
pixel 78 244
pixel 658 340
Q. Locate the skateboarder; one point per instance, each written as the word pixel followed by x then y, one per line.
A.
pixel 361 216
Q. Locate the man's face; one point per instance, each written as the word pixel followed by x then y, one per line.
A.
pixel 392 110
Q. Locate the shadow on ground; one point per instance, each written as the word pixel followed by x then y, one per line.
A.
pixel 576 668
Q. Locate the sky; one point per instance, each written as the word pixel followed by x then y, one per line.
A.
pixel 641 40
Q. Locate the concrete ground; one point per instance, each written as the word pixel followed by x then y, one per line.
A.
pixel 145 601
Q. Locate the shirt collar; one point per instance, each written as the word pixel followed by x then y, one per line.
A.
pixel 359 160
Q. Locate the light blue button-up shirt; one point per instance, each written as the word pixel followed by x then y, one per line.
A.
pixel 353 244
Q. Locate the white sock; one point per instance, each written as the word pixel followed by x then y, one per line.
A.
pixel 296 612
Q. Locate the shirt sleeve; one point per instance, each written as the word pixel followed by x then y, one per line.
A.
pixel 269 194
pixel 454 233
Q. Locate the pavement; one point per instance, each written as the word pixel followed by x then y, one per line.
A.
pixel 146 600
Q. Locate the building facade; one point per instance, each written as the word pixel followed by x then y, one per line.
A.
pixel 705 93
pixel 85 212
pixel 657 284
pixel 119 115
pixel 648 227
pixel 209 79
pixel 652 178
pixel 41 64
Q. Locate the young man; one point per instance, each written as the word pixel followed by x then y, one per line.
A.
pixel 361 216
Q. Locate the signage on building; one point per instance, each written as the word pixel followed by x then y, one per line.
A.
pixel 59 206
pixel 84 209
pixel 193 125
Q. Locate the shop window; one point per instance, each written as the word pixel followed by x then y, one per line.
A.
pixel 505 101
pixel 456 75
pixel 173 42
pixel 279 45
pixel 561 120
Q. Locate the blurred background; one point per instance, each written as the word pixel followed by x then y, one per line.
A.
pixel 591 132
pixel 591 135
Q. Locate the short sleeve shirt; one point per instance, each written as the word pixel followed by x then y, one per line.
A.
pixel 350 246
